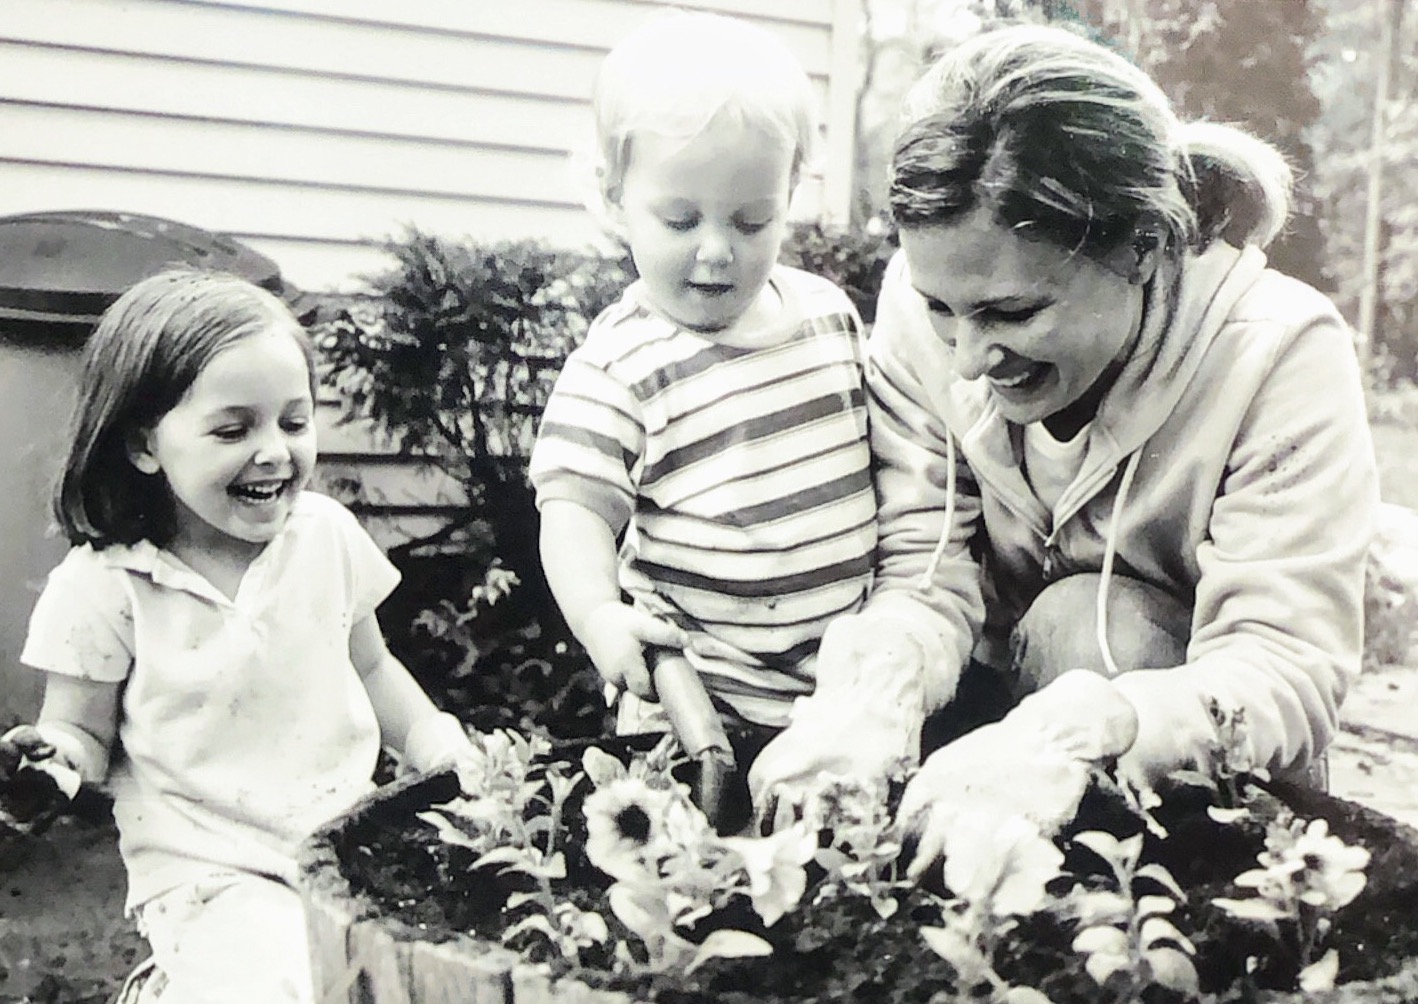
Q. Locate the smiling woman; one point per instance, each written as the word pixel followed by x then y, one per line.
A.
pixel 1106 438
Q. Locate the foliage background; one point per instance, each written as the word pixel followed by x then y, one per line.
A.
pixel 1300 73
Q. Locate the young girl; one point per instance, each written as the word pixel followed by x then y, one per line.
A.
pixel 217 621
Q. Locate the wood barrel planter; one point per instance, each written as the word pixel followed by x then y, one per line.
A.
pixel 361 954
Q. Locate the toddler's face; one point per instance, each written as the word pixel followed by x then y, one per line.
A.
pixel 240 445
pixel 705 219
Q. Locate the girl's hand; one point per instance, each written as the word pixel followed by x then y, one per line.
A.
pixel 34 787
pixel 616 636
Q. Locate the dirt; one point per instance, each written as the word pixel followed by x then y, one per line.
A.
pixel 63 939
pixel 840 950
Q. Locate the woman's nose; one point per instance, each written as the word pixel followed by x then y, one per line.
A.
pixel 975 354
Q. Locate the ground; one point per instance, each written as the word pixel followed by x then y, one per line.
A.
pixel 63 938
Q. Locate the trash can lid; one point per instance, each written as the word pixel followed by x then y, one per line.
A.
pixel 60 270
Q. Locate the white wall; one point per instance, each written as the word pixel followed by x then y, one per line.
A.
pixel 312 129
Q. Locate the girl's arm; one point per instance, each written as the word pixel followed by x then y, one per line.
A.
pixel 409 722
pixel 79 718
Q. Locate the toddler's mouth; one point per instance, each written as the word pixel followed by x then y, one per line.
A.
pixel 712 289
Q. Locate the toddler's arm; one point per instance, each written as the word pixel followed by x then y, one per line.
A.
pixel 409 721
pixel 579 557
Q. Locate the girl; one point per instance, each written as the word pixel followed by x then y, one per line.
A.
pixel 213 629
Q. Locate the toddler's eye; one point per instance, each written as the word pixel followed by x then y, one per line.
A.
pixel 229 433
pixel 682 224
pixel 296 424
pixel 751 227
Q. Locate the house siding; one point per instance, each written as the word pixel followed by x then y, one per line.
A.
pixel 315 129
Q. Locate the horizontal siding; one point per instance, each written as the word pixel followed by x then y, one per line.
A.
pixel 314 129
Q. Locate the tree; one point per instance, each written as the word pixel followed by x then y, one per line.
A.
pixel 1239 61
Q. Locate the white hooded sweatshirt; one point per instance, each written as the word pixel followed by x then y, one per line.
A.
pixel 1230 465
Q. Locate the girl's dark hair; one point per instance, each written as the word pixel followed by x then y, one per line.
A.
pixel 149 347
pixel 1066 141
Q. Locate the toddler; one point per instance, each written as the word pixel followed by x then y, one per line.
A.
pixel 212 630
pixel 702 466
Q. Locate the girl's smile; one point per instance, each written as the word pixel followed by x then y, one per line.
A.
pixel 238 448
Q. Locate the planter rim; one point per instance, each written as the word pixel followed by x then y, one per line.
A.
pixel 320 879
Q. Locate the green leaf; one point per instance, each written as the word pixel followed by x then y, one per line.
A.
pixel 1174 970
pixel 728 943
pixel 1320 975
pixel 1101 965
pixel 1227 816
pixel 1101 939
pixel 1156 929
pixel 1157 873
pixel 1149 906
pixel 1105 845
pixel 952 945
pixel 1251 909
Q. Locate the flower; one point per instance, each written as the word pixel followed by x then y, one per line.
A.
pixel 624 819
pixel 774 866
pixel 1333 870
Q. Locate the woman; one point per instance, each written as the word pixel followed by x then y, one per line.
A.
pixel 1107 437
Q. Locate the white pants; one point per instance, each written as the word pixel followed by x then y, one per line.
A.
pixel 237 938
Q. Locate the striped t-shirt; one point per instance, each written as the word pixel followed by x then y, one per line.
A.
pixel 741 476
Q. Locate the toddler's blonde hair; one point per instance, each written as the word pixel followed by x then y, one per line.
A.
pixel 683 70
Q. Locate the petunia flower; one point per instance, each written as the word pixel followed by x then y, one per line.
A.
pixel 623 819
pixel 774 866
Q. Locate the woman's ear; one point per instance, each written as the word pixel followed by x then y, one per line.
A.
pixel 138 446
pixel 1144 267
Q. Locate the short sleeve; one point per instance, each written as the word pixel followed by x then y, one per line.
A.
pixel 372 575
pixel 82 624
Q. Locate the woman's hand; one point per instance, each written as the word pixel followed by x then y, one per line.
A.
pixel 1032 765
pixel 863 720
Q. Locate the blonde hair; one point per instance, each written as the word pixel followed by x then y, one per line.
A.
pixel 683 70
pixel 1063 138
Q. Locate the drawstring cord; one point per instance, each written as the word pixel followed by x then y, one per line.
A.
pixel 928 576
pixel 1110 548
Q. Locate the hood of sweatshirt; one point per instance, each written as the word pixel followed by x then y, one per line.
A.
pixel 1187 303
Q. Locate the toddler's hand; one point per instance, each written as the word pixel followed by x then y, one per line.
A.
pixel 34 786
pixel 616 636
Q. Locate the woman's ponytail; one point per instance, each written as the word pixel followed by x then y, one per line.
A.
pixel 1240 186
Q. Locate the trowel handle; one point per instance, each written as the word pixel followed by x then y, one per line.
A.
pixel 692 714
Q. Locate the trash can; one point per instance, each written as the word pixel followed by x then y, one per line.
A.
pixel 58 272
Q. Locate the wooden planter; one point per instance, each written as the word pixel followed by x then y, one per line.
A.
pixel 361 957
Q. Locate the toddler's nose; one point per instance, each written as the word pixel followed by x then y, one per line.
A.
pixel 715 249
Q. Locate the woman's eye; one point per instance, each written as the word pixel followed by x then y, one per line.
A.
pixel 1015 316
pixel 937 307
pixel 229 433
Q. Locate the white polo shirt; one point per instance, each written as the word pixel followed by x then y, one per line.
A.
pixel 243 725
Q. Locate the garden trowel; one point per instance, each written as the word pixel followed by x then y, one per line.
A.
pixel 696 725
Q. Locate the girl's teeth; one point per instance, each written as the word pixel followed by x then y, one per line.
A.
pixel 258 493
